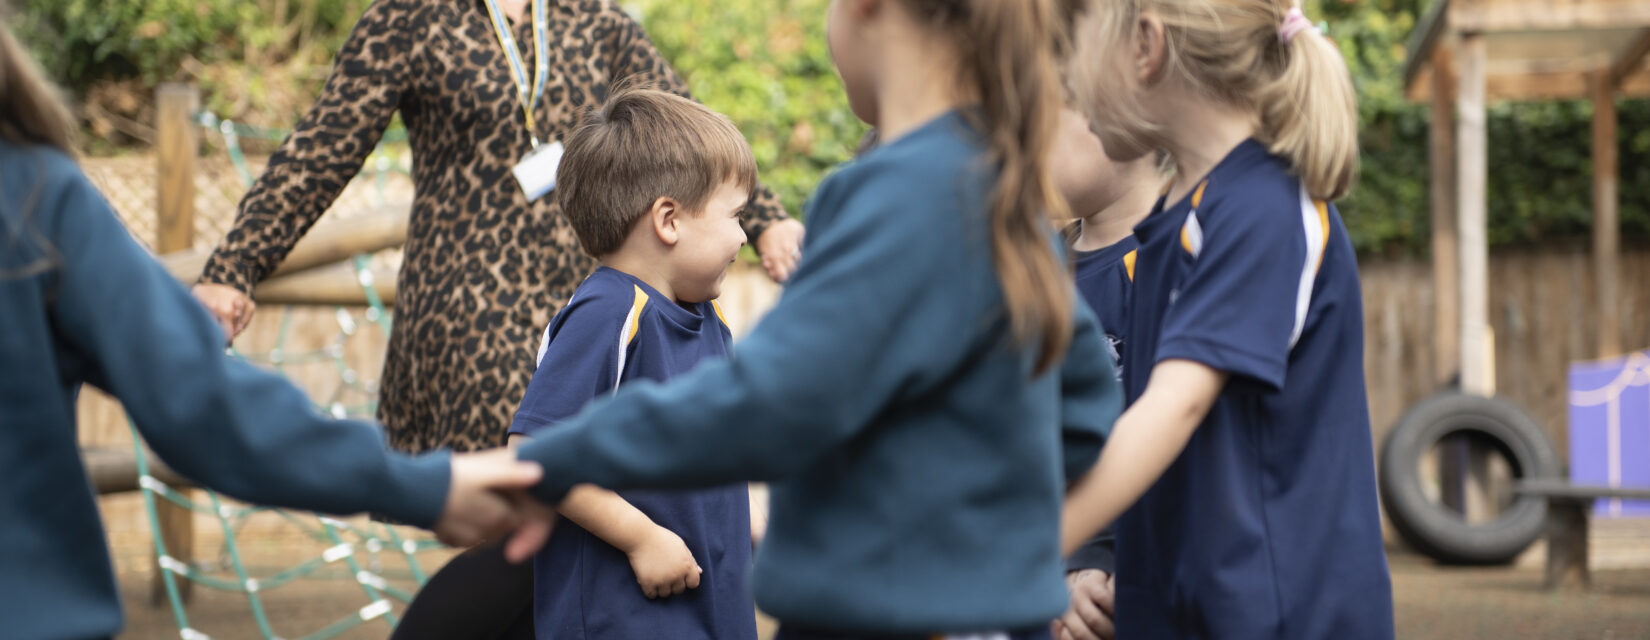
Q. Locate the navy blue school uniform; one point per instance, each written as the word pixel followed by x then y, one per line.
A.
pixel 617 330
pixel 1105 279
pixel 1266 526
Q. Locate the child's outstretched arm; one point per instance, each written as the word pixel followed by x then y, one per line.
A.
pixel 874 312
pixel 225 423
pixel 1149 436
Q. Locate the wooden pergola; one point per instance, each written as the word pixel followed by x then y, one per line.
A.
pixel 1467 52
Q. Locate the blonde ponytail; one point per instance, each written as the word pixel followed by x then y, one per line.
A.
pixel 1309 115
pixel 1234 51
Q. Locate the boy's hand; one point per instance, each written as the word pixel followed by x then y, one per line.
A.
pixel 663 565
pixel 476 509
pixel 1093 601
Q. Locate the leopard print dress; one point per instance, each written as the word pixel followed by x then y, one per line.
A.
pixel 484 270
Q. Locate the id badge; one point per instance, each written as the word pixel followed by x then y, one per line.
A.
pixel 537 170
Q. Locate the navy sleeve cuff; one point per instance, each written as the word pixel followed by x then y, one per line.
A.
pixel 1256 372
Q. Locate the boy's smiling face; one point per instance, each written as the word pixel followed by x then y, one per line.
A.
pixel 708 241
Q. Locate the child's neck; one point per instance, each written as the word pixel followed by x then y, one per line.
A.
pixel 644 268
pixel 916 83
pixel 1112 224
pixel 1201 134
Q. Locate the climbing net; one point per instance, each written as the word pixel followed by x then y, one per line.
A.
pixel 358 547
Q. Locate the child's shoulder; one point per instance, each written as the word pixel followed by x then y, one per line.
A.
pixel 920 170
pixel 607 294
pixel 1252 186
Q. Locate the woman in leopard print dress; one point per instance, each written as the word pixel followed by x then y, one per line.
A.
pixel 485 269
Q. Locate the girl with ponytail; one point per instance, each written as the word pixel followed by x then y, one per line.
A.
pixel 1246 442
pixel 926 385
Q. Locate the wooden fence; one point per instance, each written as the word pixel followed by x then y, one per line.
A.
pixel 1541 309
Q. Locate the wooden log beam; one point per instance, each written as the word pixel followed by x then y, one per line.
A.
pixel 1472 168
pixel 338 284
pixel 1537 86
pixel 1445 258
pixel 1548 15
pixel 1630 59
pixel 115 471
pixel 176 148
pixel 1433 28
pixel 1606 216
pixel 330 241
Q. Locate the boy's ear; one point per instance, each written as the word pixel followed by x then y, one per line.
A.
pixel 665 215
pixel 864 9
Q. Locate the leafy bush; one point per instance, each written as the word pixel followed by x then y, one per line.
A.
pixel 764 63
pixel 1540 159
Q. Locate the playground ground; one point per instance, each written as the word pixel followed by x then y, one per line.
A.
pixel 1433 602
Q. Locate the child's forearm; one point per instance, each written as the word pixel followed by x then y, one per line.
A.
pixel 607 516
pixel 759 512
pixel 601 512
pixel 1147 439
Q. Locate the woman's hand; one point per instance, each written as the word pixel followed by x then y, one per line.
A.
pixel 232 309
pixel 781 248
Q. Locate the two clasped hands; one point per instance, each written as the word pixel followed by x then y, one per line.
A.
pixel 487 499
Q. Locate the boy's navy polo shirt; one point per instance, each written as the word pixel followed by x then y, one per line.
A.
pixel 617 330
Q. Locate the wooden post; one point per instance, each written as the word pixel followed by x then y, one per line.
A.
pixel 1446 327
pixel 175 150
pixel 1472 167
pixel 1606 221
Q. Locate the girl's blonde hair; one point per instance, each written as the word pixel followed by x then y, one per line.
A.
pixel 1231 50
pixel 1006 49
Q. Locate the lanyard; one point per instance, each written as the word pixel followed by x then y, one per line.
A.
pixel 529 97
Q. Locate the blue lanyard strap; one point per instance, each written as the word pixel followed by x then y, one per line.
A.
pixel 528 95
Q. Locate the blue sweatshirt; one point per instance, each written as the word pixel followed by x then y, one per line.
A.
pixel 916 462
pixel 617 330
pixel 81 302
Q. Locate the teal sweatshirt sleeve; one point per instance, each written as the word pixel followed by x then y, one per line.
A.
pixel 1090 395
pixel 875 310
pixel 224 423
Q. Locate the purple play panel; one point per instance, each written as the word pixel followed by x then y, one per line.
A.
pixel 1610 429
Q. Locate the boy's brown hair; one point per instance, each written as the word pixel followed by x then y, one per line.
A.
pixel 642 145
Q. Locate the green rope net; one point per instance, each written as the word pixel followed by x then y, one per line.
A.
pixel 337 541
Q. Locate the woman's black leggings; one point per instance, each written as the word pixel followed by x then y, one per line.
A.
pixel 477 595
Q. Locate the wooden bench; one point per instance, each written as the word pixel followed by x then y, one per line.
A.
pixel 1568 509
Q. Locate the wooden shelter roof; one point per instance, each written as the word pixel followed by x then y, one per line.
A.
pixel 1538 49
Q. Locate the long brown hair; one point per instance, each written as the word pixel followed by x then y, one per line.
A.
pixel 31 109
pixel 1006 49
pixel 31 113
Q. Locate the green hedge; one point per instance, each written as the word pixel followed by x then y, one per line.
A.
pixel 1540 161
pixel 765 64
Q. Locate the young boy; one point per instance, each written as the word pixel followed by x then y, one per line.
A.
pixel 653 185
pixel 1109 198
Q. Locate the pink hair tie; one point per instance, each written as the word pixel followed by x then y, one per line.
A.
pixel 1294 22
